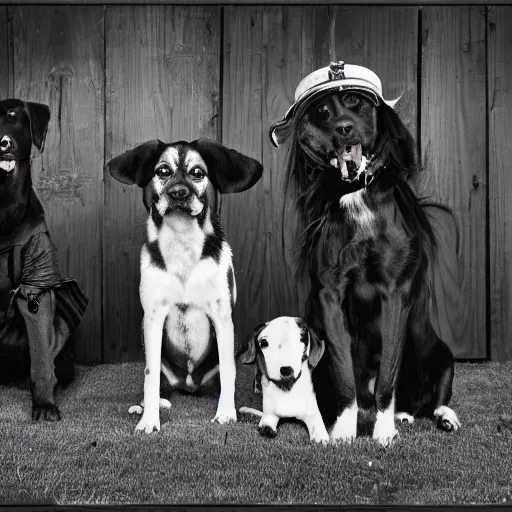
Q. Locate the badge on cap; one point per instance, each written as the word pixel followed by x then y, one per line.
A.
pixel 337 70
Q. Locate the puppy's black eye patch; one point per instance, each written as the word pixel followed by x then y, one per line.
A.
pixel 263 343
pixel 164 171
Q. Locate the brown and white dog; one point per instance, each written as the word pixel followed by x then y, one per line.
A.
pixel 382 263
pixel 286 352
pixel 187 286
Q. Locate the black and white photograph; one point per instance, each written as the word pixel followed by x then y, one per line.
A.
pixel 255 253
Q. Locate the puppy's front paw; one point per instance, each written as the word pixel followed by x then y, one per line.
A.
pixel 267 431
pixel 225 415
pixel 45 412
pixel 447 419
pixel 148 423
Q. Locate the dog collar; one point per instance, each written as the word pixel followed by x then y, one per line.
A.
pixel 337 76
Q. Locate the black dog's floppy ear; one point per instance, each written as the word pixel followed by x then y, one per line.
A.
pixel 136 166
pixel 39 115
pixel 228 170
pixel 316 345
pixel 249 356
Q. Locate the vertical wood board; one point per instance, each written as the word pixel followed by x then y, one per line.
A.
pixel 500 181
pixel 162 69
pixel 453 127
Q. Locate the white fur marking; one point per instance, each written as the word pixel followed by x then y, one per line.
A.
pixel 385 431
pixel 357 208
pixel 404 416
pixel 7 165
pixel 137 409
pixel 445 414
pixel 371 385
pixel 345 427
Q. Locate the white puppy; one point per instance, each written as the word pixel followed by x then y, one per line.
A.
pixel 286 351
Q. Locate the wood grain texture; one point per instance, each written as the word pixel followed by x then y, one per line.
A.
pixel 292 36
pixel 162 69
pixel 58 60
pixel 384 39
pixel 6 61
pixel 245 215
pixel 453 128
pixel 500 181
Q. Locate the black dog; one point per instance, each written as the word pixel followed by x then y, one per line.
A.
pixel 187 286
pixel 38 309
pixel 376 256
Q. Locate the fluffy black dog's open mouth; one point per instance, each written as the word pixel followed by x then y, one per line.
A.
pixel 350 160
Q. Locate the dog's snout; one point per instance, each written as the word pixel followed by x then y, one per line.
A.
pixel 5 144
pixel 345 128
pixel 286 371
pixel 179 192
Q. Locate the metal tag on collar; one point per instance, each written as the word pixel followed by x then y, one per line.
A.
pixel 337 70
pixel 33 303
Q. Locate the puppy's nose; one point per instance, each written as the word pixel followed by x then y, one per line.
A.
pixel 286 371
pixel 5 144
pixel 179 192
pixel 345 128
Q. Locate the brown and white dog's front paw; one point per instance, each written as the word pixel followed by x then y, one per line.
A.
pixel 319 436
pixel 149 422
pixel 225 414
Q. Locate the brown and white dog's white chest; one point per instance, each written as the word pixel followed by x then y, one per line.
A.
pixel 176 275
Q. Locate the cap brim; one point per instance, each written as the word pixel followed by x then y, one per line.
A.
pixel 280 130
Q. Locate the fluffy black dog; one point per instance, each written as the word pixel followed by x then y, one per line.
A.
pixel 380 261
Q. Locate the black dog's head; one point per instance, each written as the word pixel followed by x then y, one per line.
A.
pixel 335 122
pixel 345 138
pixel 339 128
pixel 176 176
pixel 22 123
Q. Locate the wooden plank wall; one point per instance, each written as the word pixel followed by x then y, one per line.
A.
pixel 453 139
pixel 117 76
pixel 500 181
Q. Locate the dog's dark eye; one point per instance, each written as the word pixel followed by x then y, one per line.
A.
pixel 12 115
pixel 323 111
pixel 350 100
pixel 196 172
pixel 263 343
pixel 164 171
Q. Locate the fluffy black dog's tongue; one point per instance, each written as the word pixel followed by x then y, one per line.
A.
pixel 351 162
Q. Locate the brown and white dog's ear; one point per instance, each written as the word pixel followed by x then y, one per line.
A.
pixel 228 170
pixel 249 356
pixel 137 165
pixel 39 116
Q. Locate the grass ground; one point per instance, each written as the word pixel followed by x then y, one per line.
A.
pixel 93 456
